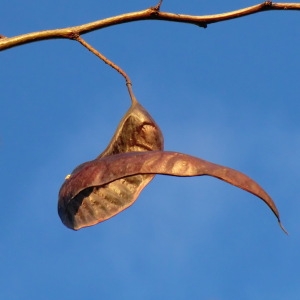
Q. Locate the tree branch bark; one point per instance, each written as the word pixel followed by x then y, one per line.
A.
pixel 151 13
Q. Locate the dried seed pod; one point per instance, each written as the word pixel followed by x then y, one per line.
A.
pixel 103 171
pixel 137 131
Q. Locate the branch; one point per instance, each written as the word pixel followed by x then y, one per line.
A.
pixel 111 64
pixel 152 13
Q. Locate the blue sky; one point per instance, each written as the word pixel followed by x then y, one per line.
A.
pixel 228 94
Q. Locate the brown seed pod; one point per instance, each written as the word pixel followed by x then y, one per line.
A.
pixel 99 189
pixel 103 171
pixel 137 131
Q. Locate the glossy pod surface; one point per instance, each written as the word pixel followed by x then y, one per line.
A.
pixel 137 131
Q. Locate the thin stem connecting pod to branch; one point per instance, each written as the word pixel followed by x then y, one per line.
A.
pixel 110 63
pixel 152 13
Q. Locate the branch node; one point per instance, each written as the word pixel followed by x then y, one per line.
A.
pixel 268 3
pixel 73 35
pixel 2 36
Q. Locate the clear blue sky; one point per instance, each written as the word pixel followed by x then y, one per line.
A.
pixel 228 94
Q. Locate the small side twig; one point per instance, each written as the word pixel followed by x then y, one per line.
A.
pixel 157 6
pixel 79 39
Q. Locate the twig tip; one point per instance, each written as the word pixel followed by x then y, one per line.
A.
pixel 283 229
pixel 156 8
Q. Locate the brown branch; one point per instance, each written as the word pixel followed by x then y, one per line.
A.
pixel 110 63
pixel 152 13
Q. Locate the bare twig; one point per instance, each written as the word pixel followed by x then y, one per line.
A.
pixel 147 14
pixel 110 63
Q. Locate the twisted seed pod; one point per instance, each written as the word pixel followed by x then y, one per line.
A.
pixel 103 171
pixel 137 131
